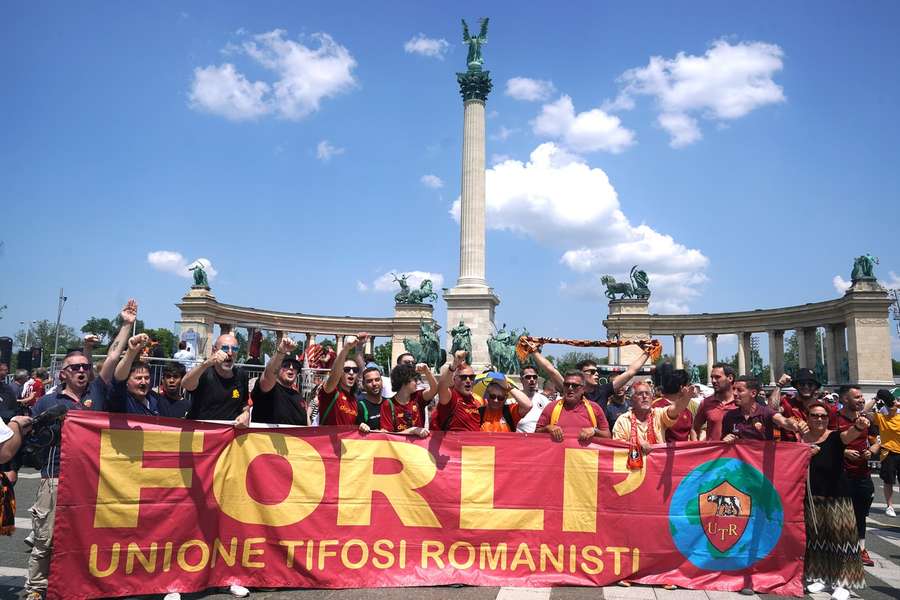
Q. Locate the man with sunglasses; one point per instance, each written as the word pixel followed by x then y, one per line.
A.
pixel 538 400
pixel 78 390
pixel 496 414
pixel 275 399
pixel 795 407
pixel 337 399
pixel 573 412
pixel 218 391
pixel 457 408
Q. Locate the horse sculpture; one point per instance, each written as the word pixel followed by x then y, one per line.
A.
pixel 638 288
pixel 427 349
pixel 407 295
pixel 613 288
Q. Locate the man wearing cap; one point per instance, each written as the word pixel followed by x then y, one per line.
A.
pixel 888 421
pixel 496 414
pixel 275 399
pixel 807 385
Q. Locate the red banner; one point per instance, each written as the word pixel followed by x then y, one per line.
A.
pixel 157 505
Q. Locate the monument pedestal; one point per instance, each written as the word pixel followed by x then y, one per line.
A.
pixel 869 335
pixel 408 318
pixel 196 325
pixel 637 328
pixel 475 306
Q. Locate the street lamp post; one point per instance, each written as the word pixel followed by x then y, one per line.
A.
pixel 62 301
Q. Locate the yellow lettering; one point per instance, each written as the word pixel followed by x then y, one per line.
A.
pixel 477 510
pixel 635 560
pixel 383 557
pixel 556 559
pixel 732 529
pixel 135 552
pixel 290 545
pixel 711 528
pixel 498 557
pixel 307 481
pixel 358 481
pixel 167 557
pixel 592 555
pixel 309 554
pixel 249 552
pixel 451 555
pixel 345 554
pixel 580 490
pixel 181 559
pixel 324 552
pixel 634 479
pixel 113 561
pixel 229 556
pixel 432 549
pixel 122 472
pixel 522 555
pixel 572 560
pixel 402 554
pixel 617 557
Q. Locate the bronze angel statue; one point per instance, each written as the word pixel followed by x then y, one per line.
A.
pixel 473 58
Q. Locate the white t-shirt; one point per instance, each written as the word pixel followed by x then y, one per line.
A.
pixel 529 421
pixel 5 432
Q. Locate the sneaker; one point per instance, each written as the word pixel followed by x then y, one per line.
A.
pixel 747 592
pixel 623 583
pixel 238 591
pixel 669 586
pixel 840 593
pixel 815 587
pixel 34 596
pixel 866 559
pixel 172 596
pixel 889 511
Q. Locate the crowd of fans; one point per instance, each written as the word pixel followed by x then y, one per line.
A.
pixel 844 432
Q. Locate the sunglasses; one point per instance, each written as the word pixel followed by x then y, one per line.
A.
pixel 496 396
pixel 818 416
pixel 806 384
pixel 589 371
pixel 227 349
pixel 467 377
pixel 79 367
pixel 572 386
pixel 529 376
pixel 351 369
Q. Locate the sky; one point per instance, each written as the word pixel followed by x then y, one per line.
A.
pixel 742 155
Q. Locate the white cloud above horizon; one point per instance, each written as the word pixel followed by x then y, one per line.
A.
pixel 431 181
pixel 529 90
pixel 385 282
pixel 169 261
pixel 325 150
pixel 840 284
pixel 302 77
pixel 559 200
pixel 588 131
pixel 425 46
pixel 726 83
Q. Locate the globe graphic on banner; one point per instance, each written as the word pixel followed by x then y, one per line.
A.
pixel 725 515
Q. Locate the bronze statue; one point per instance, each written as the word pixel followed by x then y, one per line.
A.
pixel 864 267
pixel 462 338
pixel 473 58
pixel 427 349
pixel 200 279
pixel 638 288
pixel 406 295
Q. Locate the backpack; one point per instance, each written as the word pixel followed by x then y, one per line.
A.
pixel 507 415
pixel 557 410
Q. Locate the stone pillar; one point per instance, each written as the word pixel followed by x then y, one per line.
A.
pixel 225 328
pixel 369 345
pixel 637 316
pixel 338 343
pixel 310 340
pixel 407 321
pixel 679 350
pixel 711 355
pixel 612 355
pixel 806 347
pixel 840 353
pixel 743 352
pixel 776 356
pixel 831 365
pixel 869 351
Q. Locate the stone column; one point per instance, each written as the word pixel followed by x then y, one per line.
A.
pixel 310 340
pixel 869 351
pixel 806 347
pixel 830 355
pixel 776 355
pixel 225 328
pixel 743 352
pixel 613 353
pixel 840 352
pixel 369 345
pixel 679 350
pixel 711 355
pixel 338 343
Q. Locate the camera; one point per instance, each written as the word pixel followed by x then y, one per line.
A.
pixel 46 431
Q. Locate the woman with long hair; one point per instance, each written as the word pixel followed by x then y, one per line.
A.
pixel 832 548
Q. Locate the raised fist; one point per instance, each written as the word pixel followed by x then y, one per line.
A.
pixel 91 340
pixel 218 357
pixel 862 424
pixel 286 345
pixel 129 312
pixel 459 357
pixel 421 368
pixel 138 341
pixel 784 380
pixel 362 337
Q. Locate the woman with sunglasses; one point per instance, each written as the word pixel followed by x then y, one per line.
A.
pixel 832 548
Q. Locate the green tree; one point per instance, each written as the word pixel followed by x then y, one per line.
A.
pixel 101 327
pixel 43 333
pixel 166 339
pixel 895 365
pixel 567 361
pixel 383 357
pixel 792 354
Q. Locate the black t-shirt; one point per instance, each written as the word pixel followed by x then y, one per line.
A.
pixel 177 409
pixel 217 398
pixel 827 476
pixel 368 412
pixel 601 394
pixel 281 404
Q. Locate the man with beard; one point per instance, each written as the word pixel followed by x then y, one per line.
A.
pixel 643 425
pixel 76 392
pixel 370 404
pixel 751 420
pixel 713 408
pixel 573 412
pixel 795 407
pixel 275 398
pixel 538 400
pixel 457 408
pixel 337 401
pixel 218 392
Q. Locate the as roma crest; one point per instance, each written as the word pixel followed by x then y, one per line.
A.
pixel 724 513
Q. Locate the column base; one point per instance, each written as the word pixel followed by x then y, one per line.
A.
pixel 475 306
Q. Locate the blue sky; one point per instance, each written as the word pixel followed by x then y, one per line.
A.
pixel 743 155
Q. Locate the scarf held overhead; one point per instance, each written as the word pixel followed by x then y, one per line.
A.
pixel 529 344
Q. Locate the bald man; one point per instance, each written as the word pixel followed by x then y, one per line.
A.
pixel 219 392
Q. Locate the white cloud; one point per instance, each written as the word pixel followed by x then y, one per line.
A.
pixel 530 90
pixel 503 133
pixel 724 84
pixel 499 158
pixel 432 181
pixel 561 201
pixel 893 283
pixel 587 131
pixel 325 151
pixel 303 77
pixel 169 261
pixel 426 46
pixel 841 285
pixel 386 283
